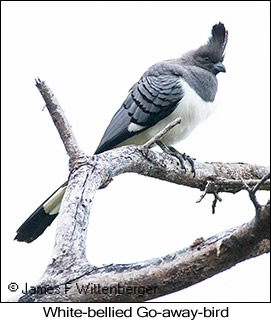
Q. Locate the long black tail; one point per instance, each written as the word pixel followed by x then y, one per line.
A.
pixel 42 217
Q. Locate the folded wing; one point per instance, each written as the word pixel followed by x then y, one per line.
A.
pixel 150 100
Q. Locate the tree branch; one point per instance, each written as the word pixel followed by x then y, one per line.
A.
pixel 69 269
pixel 61 123
pixel 222 177
pixel 160 276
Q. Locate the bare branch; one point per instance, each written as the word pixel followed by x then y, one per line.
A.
pixel 60 120
pixel 71 233
pixel 160 276
pixel 223 177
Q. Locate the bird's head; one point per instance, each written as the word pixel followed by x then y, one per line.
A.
pixel 211 55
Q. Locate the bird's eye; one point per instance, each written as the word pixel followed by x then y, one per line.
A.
pixel 206 59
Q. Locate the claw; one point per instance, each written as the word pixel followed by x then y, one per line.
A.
pixel 191 162
pixel 181 157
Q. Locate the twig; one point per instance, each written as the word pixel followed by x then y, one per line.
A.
pixel 161 133
pixel 208 189
pixel 216 198
pixel 205 192
pixel 264 179
pixel 252 191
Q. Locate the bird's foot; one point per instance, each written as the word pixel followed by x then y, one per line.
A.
pixel 181 157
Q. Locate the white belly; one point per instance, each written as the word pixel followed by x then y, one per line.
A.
pixel 192 109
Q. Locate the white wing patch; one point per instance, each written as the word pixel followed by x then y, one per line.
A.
pixel 52 206
pixel 133 127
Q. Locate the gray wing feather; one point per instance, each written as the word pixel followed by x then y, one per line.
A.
pixel 149 101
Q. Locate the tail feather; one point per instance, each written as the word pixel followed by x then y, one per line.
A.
pixel 42 217
pixel 34 226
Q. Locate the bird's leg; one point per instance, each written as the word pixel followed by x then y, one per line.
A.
pixel 181 157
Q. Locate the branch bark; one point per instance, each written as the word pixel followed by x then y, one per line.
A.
pixel 62 125
pixel 69 270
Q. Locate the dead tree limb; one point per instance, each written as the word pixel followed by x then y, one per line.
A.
pixel 70 277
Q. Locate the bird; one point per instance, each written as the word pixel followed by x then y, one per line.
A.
pixel 183 87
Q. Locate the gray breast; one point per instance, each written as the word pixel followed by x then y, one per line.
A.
pixel 202 82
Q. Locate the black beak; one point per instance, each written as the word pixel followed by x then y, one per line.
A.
pixel 219 67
